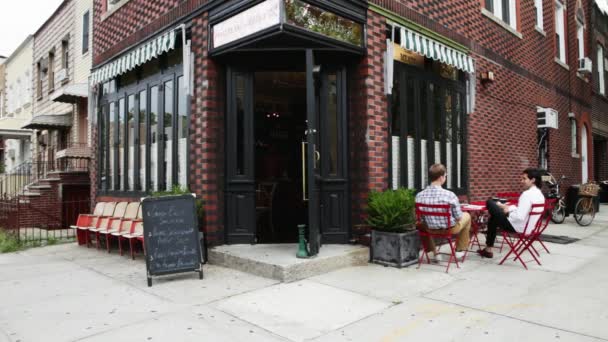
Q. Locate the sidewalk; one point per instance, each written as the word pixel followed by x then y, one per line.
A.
pixel 71 293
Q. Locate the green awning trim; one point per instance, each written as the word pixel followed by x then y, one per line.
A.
pixel 397 19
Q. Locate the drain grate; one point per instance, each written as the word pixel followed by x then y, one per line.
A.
pixel 561 239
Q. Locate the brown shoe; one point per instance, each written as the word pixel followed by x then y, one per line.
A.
pixel 485 254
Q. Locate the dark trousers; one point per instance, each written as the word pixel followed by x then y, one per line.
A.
pixel 498 218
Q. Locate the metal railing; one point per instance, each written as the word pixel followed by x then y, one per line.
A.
pixel 13 182
pixel 37 223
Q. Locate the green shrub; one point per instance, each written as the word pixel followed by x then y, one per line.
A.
pixel 179 190
pixel 391 210
pixel 9 243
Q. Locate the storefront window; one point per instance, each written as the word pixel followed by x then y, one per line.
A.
pixel 434 121
pixel 315 19
pixel 145 112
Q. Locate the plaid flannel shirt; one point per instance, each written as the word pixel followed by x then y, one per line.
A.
pixel 433 194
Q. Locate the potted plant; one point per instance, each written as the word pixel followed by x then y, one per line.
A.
pixel 391 216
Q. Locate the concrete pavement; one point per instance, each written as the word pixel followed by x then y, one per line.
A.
pixel 71 293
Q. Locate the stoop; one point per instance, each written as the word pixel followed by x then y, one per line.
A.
pixel 278 261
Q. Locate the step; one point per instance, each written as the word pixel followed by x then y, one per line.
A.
pixel 31 194
pixel 49 180
pixel 40 187
pixel 278 261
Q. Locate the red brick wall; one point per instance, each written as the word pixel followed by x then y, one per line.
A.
pixel 368 121
pixel 502 130
pixel 134 22
pixel 207 133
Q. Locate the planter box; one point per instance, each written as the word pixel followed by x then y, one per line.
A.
pixel 394 249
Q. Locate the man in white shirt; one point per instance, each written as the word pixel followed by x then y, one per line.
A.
pixel 514 218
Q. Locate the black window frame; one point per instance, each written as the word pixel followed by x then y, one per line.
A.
pixel 124 91
pixel 456 88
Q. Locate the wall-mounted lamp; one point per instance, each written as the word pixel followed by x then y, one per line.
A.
pixel 487 76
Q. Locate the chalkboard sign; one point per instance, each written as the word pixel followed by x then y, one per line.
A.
pixel 171 237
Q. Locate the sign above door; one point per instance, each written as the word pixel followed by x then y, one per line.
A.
pixel 287 23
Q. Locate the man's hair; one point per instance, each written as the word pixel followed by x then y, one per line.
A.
pixel 536 174
pixel 436 171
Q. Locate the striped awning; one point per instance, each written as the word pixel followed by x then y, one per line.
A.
pixel 135 57
pixel 432 49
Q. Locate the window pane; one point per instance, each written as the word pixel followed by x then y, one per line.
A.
pixel 85 32
pixel 240 125
pixel 332 112
pixel 396 133
pixel 449 136
pixel 411 131
pixel 154 138
pixel 458 110
pixel 168 134
pixel 112 145
pixel 103 146
pixel 142 139
pixel 131 140
pixel 121 143
pixel 423 133
pixel 318 20
pixel 182 133
pixel 600 69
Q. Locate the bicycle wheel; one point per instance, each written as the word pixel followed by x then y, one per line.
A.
pixel 584 212
pixel 559 214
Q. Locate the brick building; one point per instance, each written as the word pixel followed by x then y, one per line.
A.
pixel 282 112
pixel 599 44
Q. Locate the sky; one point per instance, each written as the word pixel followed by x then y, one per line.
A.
pixel 20 18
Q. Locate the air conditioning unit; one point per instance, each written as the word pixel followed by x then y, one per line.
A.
pixel 584 65
pixel 546 118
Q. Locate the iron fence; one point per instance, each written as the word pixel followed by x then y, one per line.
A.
pixel 35 224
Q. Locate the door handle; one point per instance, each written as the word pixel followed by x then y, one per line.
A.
pixel 304 194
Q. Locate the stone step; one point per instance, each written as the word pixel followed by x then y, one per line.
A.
pixel 31 194
pixel 40 187
pixel 278 261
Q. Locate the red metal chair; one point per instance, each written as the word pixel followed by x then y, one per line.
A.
pixel 442 211
pixel 549 205
pixel 136 234
pixel 520 242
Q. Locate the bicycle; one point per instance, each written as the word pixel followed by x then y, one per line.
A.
pixel 584 211
pixel 558 214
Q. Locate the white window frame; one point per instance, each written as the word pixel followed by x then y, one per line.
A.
pixel 539 14
pixel 497 12
pixel 580 35
pixel 560 30
pixel 600 69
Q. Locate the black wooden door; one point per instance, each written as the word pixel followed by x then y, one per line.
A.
pixel 240 177
pixel 327 151
pixel 332 174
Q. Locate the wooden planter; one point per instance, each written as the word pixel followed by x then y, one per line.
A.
pixel 394 249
